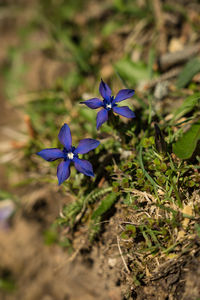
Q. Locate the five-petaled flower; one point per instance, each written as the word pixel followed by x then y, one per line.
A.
pixel 110 103
pixel 69 154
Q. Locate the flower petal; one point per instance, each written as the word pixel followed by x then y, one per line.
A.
pixel 51 154
pixel 102 117
pixel 65 137
pixel 6 210
pixel 125 111
pixel 83 166
pixel 63 171
pixel 123 94
pixel 86 145
pixel 93 103
pixel 104 90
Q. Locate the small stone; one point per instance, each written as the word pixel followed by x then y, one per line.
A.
pixel 161 90
pixel 112 262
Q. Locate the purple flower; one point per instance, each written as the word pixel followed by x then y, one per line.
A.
pixel 110 103
pixel 6 210
pixel 69 154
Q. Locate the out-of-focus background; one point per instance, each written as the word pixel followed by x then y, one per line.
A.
pixel 53 54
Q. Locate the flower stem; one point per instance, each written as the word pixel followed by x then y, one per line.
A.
pixel 114 122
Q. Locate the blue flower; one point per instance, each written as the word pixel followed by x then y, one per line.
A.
pixel 110 103
pixel 69 154
pixel 6 210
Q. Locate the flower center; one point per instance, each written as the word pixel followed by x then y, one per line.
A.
pixel 70 155
pixel 109 106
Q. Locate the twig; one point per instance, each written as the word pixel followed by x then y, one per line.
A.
pixel 168 60
pixel 166 76
pixel 120 251
pixel 162 39
pixel 31 130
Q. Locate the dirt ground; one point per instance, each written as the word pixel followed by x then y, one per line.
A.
pixel 44 272
pixel 50 272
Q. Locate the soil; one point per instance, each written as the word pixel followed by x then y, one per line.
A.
pixel 46 272
pixel 49 272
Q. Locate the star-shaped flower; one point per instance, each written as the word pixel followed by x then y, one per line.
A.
pixel 110 103
pixel 69 154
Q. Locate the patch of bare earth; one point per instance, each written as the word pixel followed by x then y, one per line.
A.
pixel 100 272
pixel 49 272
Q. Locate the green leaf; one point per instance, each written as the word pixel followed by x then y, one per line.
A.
pixel 188 104
pixel 133 72
pixel 105 205
pixel 7 285
pixel 197 228
pixel 186 145
pixel 151 60
pixel 129 232
pixel 110 27
pixel 134 10
pixel 50 237
pixel 140 159
pixel 188 72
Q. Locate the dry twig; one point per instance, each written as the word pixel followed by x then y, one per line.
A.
pixel 162 39
pixel 120 251
pixel 168 60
